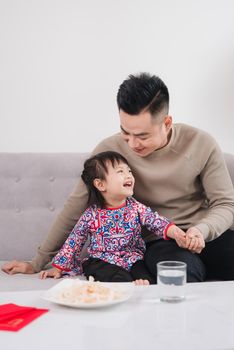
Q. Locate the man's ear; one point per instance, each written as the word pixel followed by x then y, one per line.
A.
pixel 99 184
pixel 168 122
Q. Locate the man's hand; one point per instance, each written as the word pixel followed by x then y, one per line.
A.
pixel 194 240
pixel 191 240
pixel 13 267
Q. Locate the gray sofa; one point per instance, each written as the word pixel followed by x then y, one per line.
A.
pixel 33 190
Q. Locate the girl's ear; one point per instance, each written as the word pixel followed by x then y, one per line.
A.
pixel 99 184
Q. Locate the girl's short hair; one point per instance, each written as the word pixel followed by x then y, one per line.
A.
pixel 95 167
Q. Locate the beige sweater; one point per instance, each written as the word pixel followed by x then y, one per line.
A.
pixel 186 181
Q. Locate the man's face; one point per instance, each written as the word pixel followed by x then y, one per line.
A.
pixel 143 134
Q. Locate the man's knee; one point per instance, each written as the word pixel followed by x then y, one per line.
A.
pixel 163 250
pixel 196 271
pixel 221 268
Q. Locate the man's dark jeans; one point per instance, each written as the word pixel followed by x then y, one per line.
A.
pixel 216 261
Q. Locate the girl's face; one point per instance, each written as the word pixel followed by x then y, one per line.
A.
pixel 118 184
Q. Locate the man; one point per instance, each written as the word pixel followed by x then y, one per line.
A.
pixel 179 171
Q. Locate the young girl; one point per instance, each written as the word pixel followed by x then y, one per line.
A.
pixel 112 222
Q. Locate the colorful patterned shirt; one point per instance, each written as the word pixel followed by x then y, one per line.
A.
pixel 114 235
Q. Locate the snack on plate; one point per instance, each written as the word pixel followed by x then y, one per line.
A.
pixel 88 292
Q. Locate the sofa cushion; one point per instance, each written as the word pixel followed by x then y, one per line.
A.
pixel 33 188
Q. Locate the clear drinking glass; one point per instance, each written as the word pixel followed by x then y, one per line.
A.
pixel 171 280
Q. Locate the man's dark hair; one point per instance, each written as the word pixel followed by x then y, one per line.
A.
pixel 143 91
pixel 95 167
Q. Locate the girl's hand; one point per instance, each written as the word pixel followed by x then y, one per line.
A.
pixel 54 272
pixel 178 235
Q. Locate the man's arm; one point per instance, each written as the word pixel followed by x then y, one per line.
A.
pixel 57 235
pixel 62 226
pixel 219 192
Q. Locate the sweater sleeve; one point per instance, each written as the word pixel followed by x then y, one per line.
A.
pixel 68 257
pixel 153 221
pixel 219 193
pixel 60 229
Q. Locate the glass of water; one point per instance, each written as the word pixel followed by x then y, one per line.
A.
pixel 171 280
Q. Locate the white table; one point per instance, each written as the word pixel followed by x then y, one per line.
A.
pixel 204 321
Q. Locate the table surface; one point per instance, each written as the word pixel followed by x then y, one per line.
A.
pixel 205 320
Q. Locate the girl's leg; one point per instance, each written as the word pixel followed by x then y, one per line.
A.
pixel 105 272
pixel 140 271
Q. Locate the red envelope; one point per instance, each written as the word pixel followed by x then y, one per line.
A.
pixel 14 317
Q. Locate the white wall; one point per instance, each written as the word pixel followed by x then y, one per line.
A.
pixel 61 62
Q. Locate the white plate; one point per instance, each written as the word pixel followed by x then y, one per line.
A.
pixel 126 290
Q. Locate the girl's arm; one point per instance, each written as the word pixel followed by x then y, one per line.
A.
pixel 153 221
pixel 163 228
pixel 67 259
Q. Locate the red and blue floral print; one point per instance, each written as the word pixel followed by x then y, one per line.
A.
pixel 114 236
